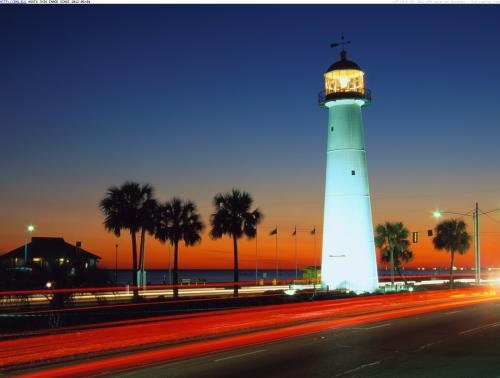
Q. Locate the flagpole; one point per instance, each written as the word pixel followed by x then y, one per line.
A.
pixel 277 257
pixel 296 265
pixel 315 268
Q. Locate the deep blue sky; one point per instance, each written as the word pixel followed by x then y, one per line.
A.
pixel 197 99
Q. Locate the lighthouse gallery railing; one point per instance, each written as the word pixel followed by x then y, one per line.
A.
pixel 366 94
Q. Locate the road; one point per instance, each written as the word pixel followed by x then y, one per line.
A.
pixel 458 343
pixel 125 346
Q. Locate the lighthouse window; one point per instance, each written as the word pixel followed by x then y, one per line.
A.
pixel 353 173
pixel 349 80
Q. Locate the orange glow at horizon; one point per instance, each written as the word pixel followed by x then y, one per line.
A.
pixel 218 254
pixel 77 218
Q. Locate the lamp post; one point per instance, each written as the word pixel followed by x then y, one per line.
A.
pixel 116 263
pixel 475 221
pixel 169 268
pixel 29 229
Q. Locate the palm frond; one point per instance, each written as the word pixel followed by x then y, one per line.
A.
pixel 233 215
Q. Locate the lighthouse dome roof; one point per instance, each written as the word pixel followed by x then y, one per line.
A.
pixel 343 64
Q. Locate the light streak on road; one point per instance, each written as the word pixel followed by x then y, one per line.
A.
pixel 202 288
pixel 120 294
pixel 220 330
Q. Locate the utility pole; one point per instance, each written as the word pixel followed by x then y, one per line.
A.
pixel 256 259
pixel 477 249
pixel 475 221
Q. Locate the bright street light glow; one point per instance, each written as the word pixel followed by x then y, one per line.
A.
pixel 30 228
pixel 437 214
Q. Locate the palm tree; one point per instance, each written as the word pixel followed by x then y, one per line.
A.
pixel 147 218
pixel 122 210
pixel 392 240
pixel 311 274
pixel 177 221
pixel 452 236
pixel 233 217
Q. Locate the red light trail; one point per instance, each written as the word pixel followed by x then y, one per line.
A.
pixel 223 329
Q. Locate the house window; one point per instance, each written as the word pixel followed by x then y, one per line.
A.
pixel 353 173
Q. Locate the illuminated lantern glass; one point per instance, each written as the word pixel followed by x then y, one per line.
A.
pixel 345 81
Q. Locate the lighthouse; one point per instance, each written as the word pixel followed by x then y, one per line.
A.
pixel 348 255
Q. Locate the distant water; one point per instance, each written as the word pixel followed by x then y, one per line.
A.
pixel 210 275
pixel 226 275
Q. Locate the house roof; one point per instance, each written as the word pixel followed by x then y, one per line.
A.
pixel 47 247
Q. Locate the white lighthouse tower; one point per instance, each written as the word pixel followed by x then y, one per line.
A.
pixel 348 255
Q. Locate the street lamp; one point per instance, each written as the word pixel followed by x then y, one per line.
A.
pixel 475 220
pixel 437 214
pixel 29 229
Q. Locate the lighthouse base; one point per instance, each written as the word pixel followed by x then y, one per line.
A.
pixel 348 259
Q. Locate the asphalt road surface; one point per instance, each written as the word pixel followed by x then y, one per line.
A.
pixel 461 342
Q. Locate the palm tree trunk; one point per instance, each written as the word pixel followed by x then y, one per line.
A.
pixel 141 257
pixel 176 271
pixel 451 268
pixel 134 264
pixel 236 270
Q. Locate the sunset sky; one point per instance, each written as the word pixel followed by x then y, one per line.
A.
pixel 199 99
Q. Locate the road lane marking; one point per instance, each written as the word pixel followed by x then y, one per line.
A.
pixel 425 346
pixel 491 325
pixel 344 346
pixel 360 367
pixel 241 355
pixel 379 326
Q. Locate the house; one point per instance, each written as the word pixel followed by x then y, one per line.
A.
pixel 48 253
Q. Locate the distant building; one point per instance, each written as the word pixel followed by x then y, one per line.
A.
pixel 47 253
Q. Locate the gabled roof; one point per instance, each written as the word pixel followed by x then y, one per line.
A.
pixel 52 248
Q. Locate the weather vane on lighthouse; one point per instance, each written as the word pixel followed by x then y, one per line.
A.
pixel 342 43
pixel 348 256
